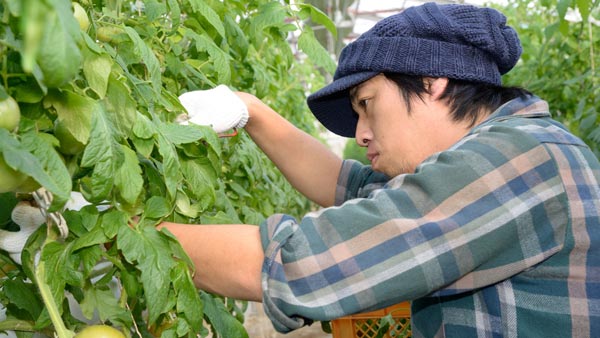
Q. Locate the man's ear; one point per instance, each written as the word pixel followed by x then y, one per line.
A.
pixel 436 86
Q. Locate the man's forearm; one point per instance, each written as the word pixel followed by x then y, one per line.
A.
pixel 309 165
pixel 228 257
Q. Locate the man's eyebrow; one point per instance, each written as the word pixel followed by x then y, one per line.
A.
pixel 352 92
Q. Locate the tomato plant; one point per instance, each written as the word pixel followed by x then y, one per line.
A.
pixel 97 103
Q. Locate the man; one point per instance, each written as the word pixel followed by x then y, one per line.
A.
pixel 477 206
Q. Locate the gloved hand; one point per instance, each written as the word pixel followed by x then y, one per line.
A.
pixel 219 108
pixel 29 218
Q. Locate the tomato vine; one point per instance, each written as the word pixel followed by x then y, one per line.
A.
pixel 96 82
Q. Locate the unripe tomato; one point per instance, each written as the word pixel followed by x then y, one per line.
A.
pixel 29 185
pixel 10 114
pixel 81 16
pixel 110 34
pixel 10 179
pixel 99 331
pixel 69 145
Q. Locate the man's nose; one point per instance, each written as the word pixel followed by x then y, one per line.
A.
pixel 363 133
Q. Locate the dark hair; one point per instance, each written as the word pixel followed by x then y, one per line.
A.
pixel 467 100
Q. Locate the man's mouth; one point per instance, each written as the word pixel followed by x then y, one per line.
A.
pixel 372 156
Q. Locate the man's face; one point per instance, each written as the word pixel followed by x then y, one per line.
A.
pixel 398 141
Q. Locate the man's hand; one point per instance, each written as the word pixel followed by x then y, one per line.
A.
pixel 219 108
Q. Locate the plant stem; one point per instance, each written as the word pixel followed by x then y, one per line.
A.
pixel 16 325
pixel 46 293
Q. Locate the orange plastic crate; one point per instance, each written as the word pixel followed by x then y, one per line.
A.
pixel 367 324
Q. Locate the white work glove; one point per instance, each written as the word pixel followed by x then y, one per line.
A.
pixel 219 108
pixel 29 218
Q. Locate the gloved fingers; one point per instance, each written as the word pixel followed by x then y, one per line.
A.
pixel 28 217
pixel 44 199
pixel 219 108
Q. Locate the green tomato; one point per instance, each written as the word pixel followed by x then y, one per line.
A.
pixel 69 145
pixel 29 185
pixel 99 331
pixel 10 114
pixel 10 179
pixel 81 16
pixel 110 34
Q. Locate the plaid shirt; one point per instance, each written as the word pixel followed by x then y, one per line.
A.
pixel 498 236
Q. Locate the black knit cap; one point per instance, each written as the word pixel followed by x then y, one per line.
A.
pixel 454 41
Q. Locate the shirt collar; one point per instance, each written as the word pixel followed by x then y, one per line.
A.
pixel 529 106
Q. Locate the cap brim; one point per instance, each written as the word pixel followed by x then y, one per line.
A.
pixel 331 104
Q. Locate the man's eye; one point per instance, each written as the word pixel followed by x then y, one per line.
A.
pixel 363 103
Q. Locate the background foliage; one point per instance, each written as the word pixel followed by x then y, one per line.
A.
pixel 561 55
pixel 98 98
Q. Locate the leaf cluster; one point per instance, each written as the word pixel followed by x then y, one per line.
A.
pixel 98 104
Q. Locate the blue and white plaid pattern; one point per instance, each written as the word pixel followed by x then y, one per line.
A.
pixel 499 236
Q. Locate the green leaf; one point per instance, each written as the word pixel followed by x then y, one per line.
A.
pixel 28 92
pixel 156 207
pixel 200 6
pixel 59 56
pixel 74 111
pixel 90 257
pixel 23 295
pixel 143 146
pixel 175 12
pixel 584 8
pixel 308 43
pixel 120 105
pixel 240 191
pixel 220 59
pixel 148 58
pixel 237 38
pixel 170 166
pixel 188 299
pixel 561 7
pixel 112 221
pixel 153 9
pixel 128 179
pixel 184 206
pixel 150 249
pixel 104 154
pixel 200 180
pixel 105 303
pixel 143 127
pixel 92 45
pixel 61 263
pixel 32 25
pixel 41 145
pixel 220 318
pixel 94 237
pixel 18 158
pixel 180 134
pixel 271 14
pixel 319 17
pixel 96 68
pixel 219 218
pixel 8 201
